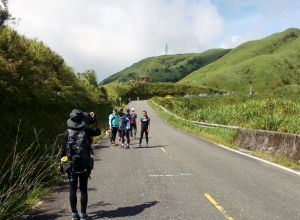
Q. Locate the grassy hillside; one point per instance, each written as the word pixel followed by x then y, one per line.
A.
pixel 38 88
pixel 268 64
pixel 167 68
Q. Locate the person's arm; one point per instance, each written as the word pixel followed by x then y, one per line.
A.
pixel 93 132
pixel 109 120
pixel 149 125
pixel 63 150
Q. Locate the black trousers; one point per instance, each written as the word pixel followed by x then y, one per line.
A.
pixel 144 130
pixel 114 131
pixel 133 129
pixel 125 133
pixel 83 181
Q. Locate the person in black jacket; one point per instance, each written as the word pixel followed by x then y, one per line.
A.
pixel 145 127
pixel 77 128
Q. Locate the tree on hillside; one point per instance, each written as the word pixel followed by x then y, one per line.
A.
pixel 4 13
pixel 90 77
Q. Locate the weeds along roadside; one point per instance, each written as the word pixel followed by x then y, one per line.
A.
pixel 222 136
pixel 26 175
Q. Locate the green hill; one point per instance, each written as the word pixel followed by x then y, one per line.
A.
pixel 268 64
pixel 167 68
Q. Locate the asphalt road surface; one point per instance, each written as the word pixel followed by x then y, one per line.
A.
pixel 180 176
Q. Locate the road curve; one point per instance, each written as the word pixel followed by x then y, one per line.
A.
pixel 180 176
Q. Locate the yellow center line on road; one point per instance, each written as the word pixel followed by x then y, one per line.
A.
pixel 163 149
pixel 220 208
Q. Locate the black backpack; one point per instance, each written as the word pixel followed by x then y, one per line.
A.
pixel 79 151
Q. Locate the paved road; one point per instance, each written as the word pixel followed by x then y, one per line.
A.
pixel 169 180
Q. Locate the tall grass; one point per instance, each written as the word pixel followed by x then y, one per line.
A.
pixel 275 114
pixel 23 173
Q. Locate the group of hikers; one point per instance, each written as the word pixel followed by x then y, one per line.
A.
pixel 125 124
pixel 75 155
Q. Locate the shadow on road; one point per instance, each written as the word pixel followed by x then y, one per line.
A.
pixel 46 215
pixel 122 211
pixel 99 146
pixel 155 146
pixel 96 205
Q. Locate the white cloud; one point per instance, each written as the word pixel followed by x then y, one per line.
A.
pixel 108 35
pixel 233 41
pixel 255 19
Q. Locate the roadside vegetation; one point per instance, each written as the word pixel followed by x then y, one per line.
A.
pixel 148 90
pixel 274 114
pixel 29 175
pixel 38 87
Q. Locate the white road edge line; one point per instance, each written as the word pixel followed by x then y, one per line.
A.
pixel 259 159
pixel 169 175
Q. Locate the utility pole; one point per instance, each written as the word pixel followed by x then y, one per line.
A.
pixel 166 50
pixel 251 88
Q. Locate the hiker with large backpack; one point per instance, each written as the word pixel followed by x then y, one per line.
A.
pixel 113 122
pixel 133 127
pixel 124 127
pixel 76 154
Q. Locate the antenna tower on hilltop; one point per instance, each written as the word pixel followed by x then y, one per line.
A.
pixel 166 50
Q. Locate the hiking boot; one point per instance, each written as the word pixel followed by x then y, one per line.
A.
pixel 83 216
pixel 75 216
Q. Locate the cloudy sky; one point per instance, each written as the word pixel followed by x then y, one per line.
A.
pixel 109 35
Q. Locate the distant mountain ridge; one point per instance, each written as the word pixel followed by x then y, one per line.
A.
pixel 269 64
pixel 166 68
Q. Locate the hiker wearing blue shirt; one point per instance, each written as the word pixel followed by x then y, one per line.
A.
pixel 113 122
pixel 124 127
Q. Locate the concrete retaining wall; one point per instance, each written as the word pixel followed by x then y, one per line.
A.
pixel 273 142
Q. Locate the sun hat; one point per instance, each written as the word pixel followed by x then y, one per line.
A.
pixel 77 119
